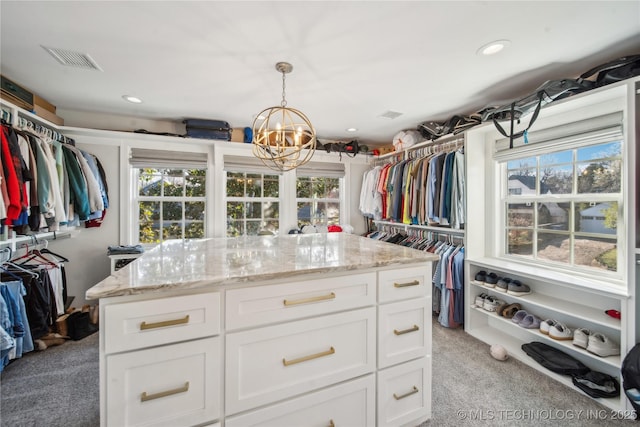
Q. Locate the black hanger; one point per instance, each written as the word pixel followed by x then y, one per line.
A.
pixel 47 251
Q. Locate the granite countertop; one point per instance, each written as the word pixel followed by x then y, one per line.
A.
pixel 222 261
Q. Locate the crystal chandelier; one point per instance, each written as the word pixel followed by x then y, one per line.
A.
pixel 283 137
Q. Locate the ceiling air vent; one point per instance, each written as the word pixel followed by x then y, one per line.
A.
pixel 390 114
pixel 70 58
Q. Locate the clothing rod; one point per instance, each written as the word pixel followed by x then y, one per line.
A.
pixel 26 120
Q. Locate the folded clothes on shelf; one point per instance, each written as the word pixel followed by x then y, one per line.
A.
pixel 125 249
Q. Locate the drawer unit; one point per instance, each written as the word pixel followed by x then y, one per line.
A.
pixel 277 362
pixel 141 324
pixel 404 394
pixel 405 283
pixel 348 404
pixel 174 385
pixel 404 331
pixel 262 305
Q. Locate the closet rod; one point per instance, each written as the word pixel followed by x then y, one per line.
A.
pixel 435 229
pixel 444 141
pixel 26 120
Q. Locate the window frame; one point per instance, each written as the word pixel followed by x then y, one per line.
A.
pixel 339 200
pixel 137 199
pixel 561 144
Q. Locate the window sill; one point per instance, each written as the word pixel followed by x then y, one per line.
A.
pixel 603 286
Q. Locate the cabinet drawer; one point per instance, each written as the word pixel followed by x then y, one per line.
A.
pixel 276 362
pixel 404 331
pixel 174 385
pixel 410 282
pixel 404 394
pixel 348 404
pixel 141 324
pixel 262 305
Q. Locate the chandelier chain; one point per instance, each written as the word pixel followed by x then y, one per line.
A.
pixel 284 101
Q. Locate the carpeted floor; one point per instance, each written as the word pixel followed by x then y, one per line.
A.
pixel 59 387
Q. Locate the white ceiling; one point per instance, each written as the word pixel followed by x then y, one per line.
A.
pixel 353 61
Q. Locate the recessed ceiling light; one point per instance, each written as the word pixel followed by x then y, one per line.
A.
pixel 352 129
pixel 132 99
pixel 493 47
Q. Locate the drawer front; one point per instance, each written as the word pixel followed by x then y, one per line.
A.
pixel 261 305
pixel 404 331
pixel 404 283
pixel 277 362
pixel 141 324
pixel 174 385
pixel 404 394
pixel 348 404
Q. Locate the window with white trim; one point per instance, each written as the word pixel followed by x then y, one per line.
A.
pixel 562 200
pixel 252 197
pixel 170 196
pixel 318 189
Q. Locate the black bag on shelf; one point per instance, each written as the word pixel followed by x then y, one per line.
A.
pixel 555 360
pixel 597 384
pixel 208 129
pixel 631 377
pixel 79 325
pixel 614 71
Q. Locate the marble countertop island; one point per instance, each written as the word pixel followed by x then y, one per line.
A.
pixel 204 263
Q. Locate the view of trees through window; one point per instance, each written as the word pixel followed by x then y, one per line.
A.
pixel 171 204
pixel 563 207
pixel 318 201
pixel 252 203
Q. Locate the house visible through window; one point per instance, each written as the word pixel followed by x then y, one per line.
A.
pixel 563 206
pixel 318 188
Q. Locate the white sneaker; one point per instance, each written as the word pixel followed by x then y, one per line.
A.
pixel 581 337
pixel 545 325
pixel 602 346
pixel 560 332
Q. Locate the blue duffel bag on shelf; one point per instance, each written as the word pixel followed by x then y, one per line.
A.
pixel 208 129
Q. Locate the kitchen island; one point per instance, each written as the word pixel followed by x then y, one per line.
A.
pixel 313 329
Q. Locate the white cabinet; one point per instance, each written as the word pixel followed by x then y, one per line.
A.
pixel 310 351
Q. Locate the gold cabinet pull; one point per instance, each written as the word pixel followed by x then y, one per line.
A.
pixel 402 396
pixel 165 323
pixel 331 423
pixel 145 397
pixel 406 331
pixel 286 362
pixel 404 285
pixel 287 302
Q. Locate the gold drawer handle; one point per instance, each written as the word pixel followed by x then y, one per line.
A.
pixel 406 331
pixel 404 285
pixel 402 396
pixel 145 325
pixel 286 362
pixel 145 397
pixel 332 295
pixel 331 423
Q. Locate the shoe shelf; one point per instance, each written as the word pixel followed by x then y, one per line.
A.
pixel 536 335
pixel 580 312
pixel 512 344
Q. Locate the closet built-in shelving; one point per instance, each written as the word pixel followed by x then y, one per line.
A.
pixel 577 299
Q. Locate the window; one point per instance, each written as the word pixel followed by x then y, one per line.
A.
pixel 252 203
pixel 318 190
pixel 318 201
pixel 169 195
pixel 563 205
pixel 171 204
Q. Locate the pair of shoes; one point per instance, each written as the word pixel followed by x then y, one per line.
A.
pixel 492 303
pixel 515 287
pixel 581 337
pixel 479 277
pixel 601 345
pixel 502 284
pixel 546 324
pixel 479 301
pixel 509 310
pixel 491 280
pixel 526 320
pixel 559 331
